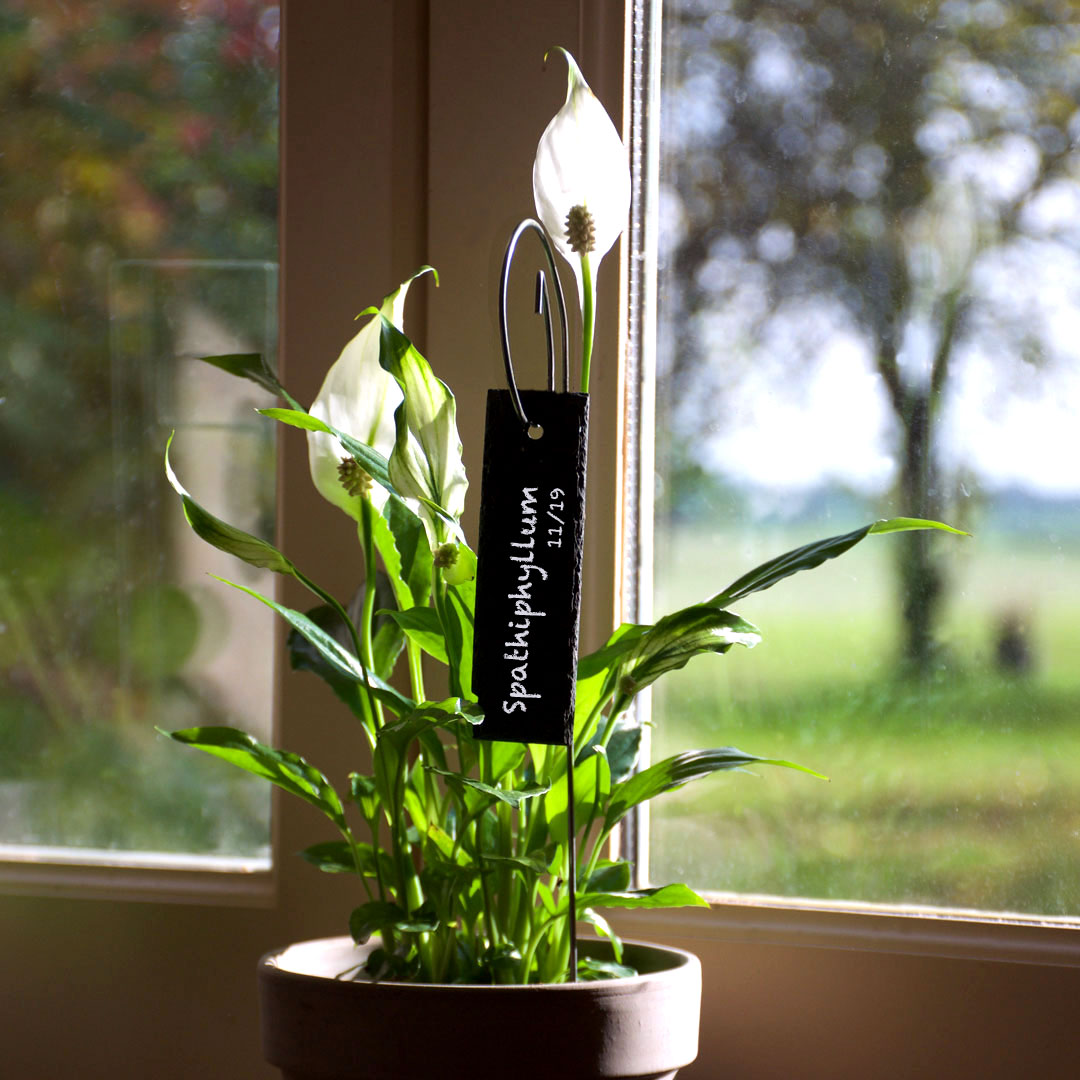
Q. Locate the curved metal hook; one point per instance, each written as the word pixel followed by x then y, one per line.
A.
pixel 542 307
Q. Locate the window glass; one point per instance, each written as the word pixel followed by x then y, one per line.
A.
pixel 869 294
pixel 138 178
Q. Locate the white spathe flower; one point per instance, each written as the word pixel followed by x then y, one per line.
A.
pixel 581 161
pixel 359 398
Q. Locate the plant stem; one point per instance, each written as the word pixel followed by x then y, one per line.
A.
pixel 621 703
pixel 367 539
pixel 588 320
pixel 590 724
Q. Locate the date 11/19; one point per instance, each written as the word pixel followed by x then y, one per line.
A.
pixel 556 499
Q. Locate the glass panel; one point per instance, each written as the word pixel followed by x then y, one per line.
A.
pixel 139 184
pixel 869 270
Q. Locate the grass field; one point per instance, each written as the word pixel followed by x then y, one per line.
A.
pixel 960 790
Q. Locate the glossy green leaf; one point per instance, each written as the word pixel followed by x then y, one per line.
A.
pixel 305 656
pixel 665 896
pixel 336 656
pixel 677 638
pixel 394 739
pixel 674 772
pixel 327 646
pixel 386 646
pixel 458 611
pixel 288 771
pixel 527 865
pixel 226 537
pixel 337 857
pixel 609 877
pixel 592 783
pixel 372 462
pixel 505 757
pixel 332 857
pixel 812 555
pixel 250 366
pixel 623 748
pixel 597 675
pixel 422 626
pixel 603 928
pixel 379 915
pixel 405 552
pixel 512 798
pixel 908 524
pixel 363 793
pixel 591 969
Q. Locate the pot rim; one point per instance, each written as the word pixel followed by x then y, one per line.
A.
pixel 682 964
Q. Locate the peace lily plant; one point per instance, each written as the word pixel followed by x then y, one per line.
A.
pixel 461 847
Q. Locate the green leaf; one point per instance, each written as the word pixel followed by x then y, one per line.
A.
pixel 226 537
pixel 623 748
pixel 372 462
pixel 332 857
pixel 336 857
pixel 288 771
pixel 907 524
pixel 363 793
pixel 378 915
pixel 617 646
pixel 395 738
pixel 812 555
pixel 666 896
pixel 528 866
pixel 590 969
pixel 598 674
pixel 674 772
pixel 386 645
pixel 603 928
pixel 422 626
pixel 592 783
pixel 682 635
pixel 512 798
pixel 304 656
pixel 327 646
pixel 341 660
pixel 609 877
pixel 460 623
pixel 405 552
pixel 505 757
pixel 250 366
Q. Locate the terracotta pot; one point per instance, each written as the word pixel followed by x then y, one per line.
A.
pixel 318 1027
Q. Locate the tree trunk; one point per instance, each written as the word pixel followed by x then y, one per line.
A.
pixel 921 578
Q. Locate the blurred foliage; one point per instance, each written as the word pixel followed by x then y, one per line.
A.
pixel 129 129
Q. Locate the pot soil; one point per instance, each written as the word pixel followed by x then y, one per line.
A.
pixel 317 1026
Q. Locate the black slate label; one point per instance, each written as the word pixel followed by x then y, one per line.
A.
pixel 528 576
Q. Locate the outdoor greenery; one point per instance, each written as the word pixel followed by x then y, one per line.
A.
pixel 958 790
pixel 133 130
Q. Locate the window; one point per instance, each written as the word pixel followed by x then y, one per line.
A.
pixel 866 1000
pixel 139 176
pixel 868 253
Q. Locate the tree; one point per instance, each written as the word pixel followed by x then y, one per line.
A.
pixel 867 157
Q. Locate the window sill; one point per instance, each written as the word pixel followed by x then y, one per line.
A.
pixel 90 874
pixel 913 931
